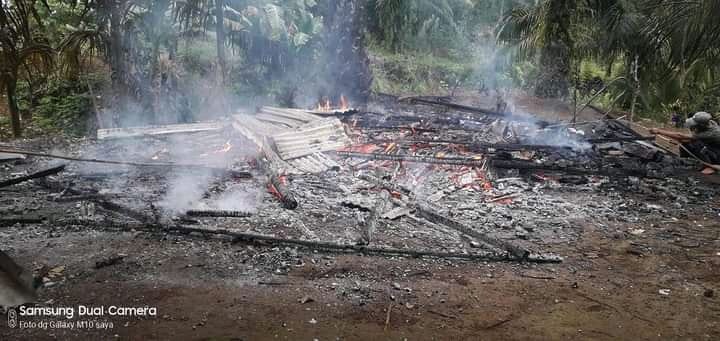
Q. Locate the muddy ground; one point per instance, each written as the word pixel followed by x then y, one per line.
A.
pixel 609 287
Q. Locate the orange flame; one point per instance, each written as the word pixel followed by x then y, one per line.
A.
pixel 224 149
pixel 344 104
pixel 325 105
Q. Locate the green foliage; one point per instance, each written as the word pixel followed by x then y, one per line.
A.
pixel 427 25
pixel 63 106
pixel 421 74
pixel 668 50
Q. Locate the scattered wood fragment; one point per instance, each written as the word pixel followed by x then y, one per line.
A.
pixel 273 283
pixel 428 213
pixel 36 175
pixel 536 277
pixel 108 262
pixel 442 314
pixel 499 323
pixel 504 197
pixel 387 316
pixel 218 214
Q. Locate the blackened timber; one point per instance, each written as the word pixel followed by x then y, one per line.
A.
pixel 315 245
pixel 474 110
pixel 6 222
pixel 218 214
pixel 36 175
pixel 330 246
pixel 621 139
pixel 237 174
pixel 478 147
pixel 284 194
pixel 607 171
pixel 428 213
pixel 99 199
pixel 450 105
pixel 461 161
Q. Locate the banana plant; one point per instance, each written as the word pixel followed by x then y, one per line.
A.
pixel 23 51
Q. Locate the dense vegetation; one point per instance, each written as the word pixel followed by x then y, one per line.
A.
pixel 73 65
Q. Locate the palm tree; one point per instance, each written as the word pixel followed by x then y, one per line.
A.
pixel 21 49
pixel 544 29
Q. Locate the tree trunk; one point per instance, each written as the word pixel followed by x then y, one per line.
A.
pixel 117 64
pixel 555 57
pixel 220 35
pixel 14 110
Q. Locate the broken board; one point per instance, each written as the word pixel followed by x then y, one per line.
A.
pixel 116 133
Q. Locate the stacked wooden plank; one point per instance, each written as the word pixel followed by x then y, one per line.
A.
pixel 115 133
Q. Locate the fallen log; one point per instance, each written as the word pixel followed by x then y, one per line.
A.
pixel 218 214
pixel 36 175
pixel 431 215
pixel 461 161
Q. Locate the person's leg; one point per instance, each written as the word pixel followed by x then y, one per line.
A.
pixel 694 147
pixel 703 152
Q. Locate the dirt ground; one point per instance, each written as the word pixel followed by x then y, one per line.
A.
pixel 607 288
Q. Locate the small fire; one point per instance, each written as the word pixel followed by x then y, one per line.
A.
pixel 224 149
pixel 344 104
pixel 325 105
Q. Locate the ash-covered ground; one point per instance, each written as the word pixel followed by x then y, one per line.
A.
pixel 638 250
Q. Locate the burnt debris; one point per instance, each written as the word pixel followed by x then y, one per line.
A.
pixel 407 180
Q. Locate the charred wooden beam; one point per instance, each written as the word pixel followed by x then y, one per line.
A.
pixel 101 201
pixel 316 245
pixel 474 110
pixel 7 222
pixel 433 216
pixel 282 192
pixel 460 161
pixel 606 170
pixel 451 105
pixel 621 139
pixel 126 163
pixel 218 214
pixel 395 127
pixel 477 147
pixel 36 175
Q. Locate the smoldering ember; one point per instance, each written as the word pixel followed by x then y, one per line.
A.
pixel 358 170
